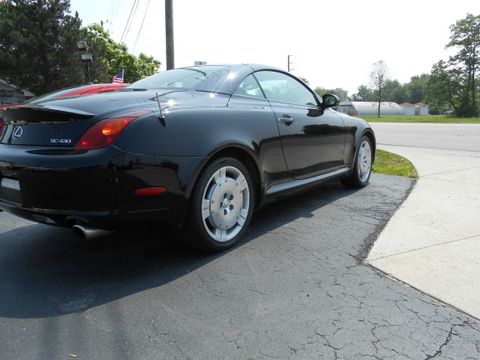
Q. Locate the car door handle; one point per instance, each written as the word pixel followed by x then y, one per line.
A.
pixel 286 119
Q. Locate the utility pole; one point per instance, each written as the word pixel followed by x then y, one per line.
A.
pixel 288 62
pixel 169 34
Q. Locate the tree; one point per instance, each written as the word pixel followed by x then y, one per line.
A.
pixel 453 84
pixel 445 89
pixel 417 88
pixel 399 94
pixel 393 90
pixel 364 93
pixel 38 44
pixel 379 77
pixel 111 57
pixel 465 36
pixel 414 91
pixel 341 93
pixel 38 48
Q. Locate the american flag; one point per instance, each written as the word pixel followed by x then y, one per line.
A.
pixel 118 77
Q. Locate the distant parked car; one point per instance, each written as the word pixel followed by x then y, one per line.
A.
pixel 10 93
pixel 69 92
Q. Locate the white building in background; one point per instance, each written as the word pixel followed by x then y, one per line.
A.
pixel 386 108
pixel 370 108
pixel 415 109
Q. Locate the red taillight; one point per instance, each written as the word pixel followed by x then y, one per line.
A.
pixel 106 131
pixel 154 190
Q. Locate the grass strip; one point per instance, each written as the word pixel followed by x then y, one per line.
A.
pixel 393 164
pixel 436 119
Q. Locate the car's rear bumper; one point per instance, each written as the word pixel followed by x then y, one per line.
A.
pixel 97 219
pixel 95 188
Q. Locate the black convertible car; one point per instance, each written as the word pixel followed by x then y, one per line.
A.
pixel 197 148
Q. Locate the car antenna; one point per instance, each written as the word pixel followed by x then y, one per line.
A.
pixel 160 116
pixel 159 106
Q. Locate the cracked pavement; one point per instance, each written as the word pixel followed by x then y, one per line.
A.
pixel 296 288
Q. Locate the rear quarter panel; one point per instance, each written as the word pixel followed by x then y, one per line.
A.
pixel 188 137
pixel 355 128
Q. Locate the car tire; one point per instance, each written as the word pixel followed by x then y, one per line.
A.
pixel 362 168
pixel 221 206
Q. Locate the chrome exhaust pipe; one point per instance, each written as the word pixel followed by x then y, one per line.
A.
pixel 87 233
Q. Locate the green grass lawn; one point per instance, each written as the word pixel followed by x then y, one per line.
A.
pixel 421 119
pixel 393 164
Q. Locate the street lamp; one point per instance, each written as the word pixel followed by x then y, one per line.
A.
pixel 86 56
pixel 289 62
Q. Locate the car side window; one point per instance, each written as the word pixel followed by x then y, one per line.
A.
pixel 249 87
pixel 281 87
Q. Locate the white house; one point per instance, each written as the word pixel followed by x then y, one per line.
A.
pixel 370 108
pixel 414 109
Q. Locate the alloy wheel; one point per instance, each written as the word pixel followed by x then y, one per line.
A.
pixel 225 204
pixel 364 161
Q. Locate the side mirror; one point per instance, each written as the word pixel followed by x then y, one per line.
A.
pixel 330 100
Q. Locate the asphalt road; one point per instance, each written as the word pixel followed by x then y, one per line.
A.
pixel 465 137
pixel 296 288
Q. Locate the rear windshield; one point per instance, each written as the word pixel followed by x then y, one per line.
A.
pixel 54 95
pixel 199 78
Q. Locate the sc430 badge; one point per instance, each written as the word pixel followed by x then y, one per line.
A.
pixel 60 141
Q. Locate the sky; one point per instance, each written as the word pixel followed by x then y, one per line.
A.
pixel 332 43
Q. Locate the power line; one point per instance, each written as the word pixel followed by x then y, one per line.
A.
pixel 116 9
pixel 133 17
pixel 141 25
pixel 113 10
pixel 110 19
pixel 128 20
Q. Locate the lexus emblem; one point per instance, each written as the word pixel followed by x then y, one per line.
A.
pixel 17 132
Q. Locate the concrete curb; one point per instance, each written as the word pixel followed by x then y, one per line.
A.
pixel 432 241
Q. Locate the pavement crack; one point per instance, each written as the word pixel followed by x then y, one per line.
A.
pixel 423 248
pixel 450 171
pixel 446 341
pixel 435 149
pixel 400 354
pixel 328 344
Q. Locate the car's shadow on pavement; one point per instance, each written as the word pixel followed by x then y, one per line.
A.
pixel 46 271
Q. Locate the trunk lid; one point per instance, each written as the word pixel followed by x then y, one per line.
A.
pixel 61 123
pixel 44 126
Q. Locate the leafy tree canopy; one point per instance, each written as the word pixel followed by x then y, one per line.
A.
pixel 465 64
pixel 364 93
pixel 111 57
pixel 414 91
pixel 38 44
pixel 417 89
pixel 453 84
pixel 38 48
pixel 445 87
